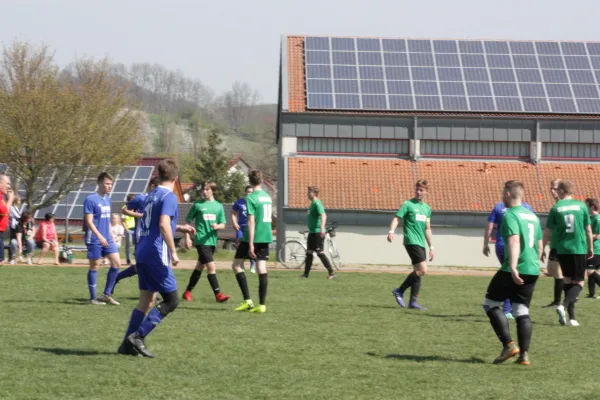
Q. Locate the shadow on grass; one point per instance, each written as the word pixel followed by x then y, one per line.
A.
pixel 74 352
pixel 67 301
pixel 416 358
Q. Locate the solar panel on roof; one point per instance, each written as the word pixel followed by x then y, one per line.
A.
pixel 452 75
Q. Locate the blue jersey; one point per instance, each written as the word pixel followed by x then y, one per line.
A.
pixel 151 249
pixel 100 208
pixel 496 218
pixel 240 207
pixel 137 203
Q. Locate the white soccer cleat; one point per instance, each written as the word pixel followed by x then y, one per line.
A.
pixel 560 310
pixel 109 299
pixel 573 322
pixel 97 302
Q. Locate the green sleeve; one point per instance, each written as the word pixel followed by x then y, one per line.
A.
pixel 221 215
pixel 586 217
pixel 550 221
pixel 538 232
pixel 250 205
pixel 192 214
pixel 320 208
pixel 429 212
pixel 510 226
pixel 402 211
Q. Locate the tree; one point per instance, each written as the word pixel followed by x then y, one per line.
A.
pixel 236 187
pixel 59 129
pixel 238 103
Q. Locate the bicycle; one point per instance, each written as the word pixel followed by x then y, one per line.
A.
pixel 292 252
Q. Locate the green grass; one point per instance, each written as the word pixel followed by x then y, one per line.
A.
pixel 340 339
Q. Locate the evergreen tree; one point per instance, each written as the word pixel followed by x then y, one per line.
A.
pixel 236 187
pixel 212 166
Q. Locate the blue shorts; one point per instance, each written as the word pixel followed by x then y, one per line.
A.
pixel 156 278
pixel 239 234
pixel 95 251
pixel 500 253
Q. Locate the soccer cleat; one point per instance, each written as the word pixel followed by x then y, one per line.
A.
pixel 97 302
pixel 303 276
pixel 509 316
pixel 507 352
pixel 560 310
pixel 331 276
pixel 127 349
pixel 552 305
pixel 138 345
pixel 259 309
pixel 245 306
pixel 221 298
pixel 109 299
pixel 416 306
pixel 592 296
pixel 523 359
pixel 187 295
pixel 252 269
pixel 573 322
pixel 399 296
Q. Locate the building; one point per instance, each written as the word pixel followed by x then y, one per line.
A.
pixel 364 118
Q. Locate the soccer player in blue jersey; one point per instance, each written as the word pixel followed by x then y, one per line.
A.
pixel 99 239
pixel 155 253
pixel 239 218
pixel 495 219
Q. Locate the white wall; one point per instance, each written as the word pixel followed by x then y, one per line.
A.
pixel 368 245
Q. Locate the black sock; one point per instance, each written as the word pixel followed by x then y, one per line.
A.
pixel 500 325
pixel 570 298
pixel 241 280
pixel 214 283
pixel 571 310
pixel 263 282
pixel 193 280
pixel 592 284
pixel 558 288
pixel 326 262
pixel 415 288
pixel 524 331
pixel 408 282
pixel 596 281
pixel 308 263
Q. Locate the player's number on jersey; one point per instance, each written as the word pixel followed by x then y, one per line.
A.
pixel 570 223
pixel 267 212
pixel 531 234
pixel 148 217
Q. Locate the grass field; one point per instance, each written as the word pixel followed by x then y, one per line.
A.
pixel 320 339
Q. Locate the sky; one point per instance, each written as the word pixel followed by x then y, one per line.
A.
pixel 220 42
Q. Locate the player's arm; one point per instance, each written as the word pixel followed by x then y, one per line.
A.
pixel 89 220
pixel 131 213
pixel 514 249
pixel 429 239
pixel 590 241
pixel 393 225
pixel 220 220
pixel 167 235
pixel 486 238
pixel 323 223
pixel 234 219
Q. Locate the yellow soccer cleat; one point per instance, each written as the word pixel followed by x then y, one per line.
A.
pixel 245 306
pixel 259 309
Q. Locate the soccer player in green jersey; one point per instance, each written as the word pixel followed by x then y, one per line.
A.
pixel 593 263
pixel 317 219
pixel 209 218
pixel 258 235
pixel 553 264
pixel 569 225
pixel 417 229
pixel 522 234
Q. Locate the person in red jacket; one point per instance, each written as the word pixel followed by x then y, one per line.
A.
pixel 5 206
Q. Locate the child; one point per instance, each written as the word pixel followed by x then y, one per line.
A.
pixel 117 230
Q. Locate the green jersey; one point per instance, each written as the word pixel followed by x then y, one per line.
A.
pixel 259 204
pixel 525 224
pixel 315 211
pixel 204 214
pixel 596 230
pixel 568 220
pixel 414 214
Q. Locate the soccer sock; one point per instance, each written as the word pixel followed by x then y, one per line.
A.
pixel 194 278
pixel 214 283
pixel 500 325
pixel 263 282
pixel 126 273
pixel 570 298
pixel 152 320
pixel 558 288
pixel 91 279
pixel 136 319
pixel 252 263
pixel 595 281
pixel 326 262
pixel 111 277
pixel 506 306
pixel 415 288
pixel 408 282
pixel 524 331
pixel 571 310
pixel 308 263
pixel 241 280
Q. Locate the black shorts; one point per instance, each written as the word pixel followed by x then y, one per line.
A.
pixel 205 254
pixel 553 256
pixel 260 249
pixel 503 287
pixel 594 262
pixel 416 253
pixel 573 266
pixel 315 242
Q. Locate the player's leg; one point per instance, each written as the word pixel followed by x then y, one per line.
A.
pixel 94 256
pixel 555 271
pixel 240 254
pixel 575 283
pixel 311 247
pixel 501 286
pixel 591 283
pixel 212 274
pixel 262 255
pixel 126 273
pixel 128 246
pixel 593 277
pixel 112 254
pixel 521 301
pixel 416 257
pixel 506 306
pixel 319 248
pixel 196 274
pixel 44 247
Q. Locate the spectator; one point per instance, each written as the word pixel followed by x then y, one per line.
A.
pixel 5 206
pixel 22 233
pixel 14 218
pixel 129 225
pixel 117 230
pixel 46 239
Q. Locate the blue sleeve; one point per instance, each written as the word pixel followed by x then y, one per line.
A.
pixel 169 206
pixel 88 206
pixel 236 206
pixel 494 216
pixel 527 206
pixel 135 204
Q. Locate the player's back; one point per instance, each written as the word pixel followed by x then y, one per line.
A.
pixel 568 220
pixel 260 204
pixel 151 248
pixel 526 224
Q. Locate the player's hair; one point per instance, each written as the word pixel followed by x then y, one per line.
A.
pixel 514 187
pixel 211 184
pixel 255 177
pixel 422 183
pixel 168 170
pixel 104 175
pixel 48 216
pixel 154 182
pixel 566 186
pixel 248 187
pixel 25 216
pixel 130 196
pixel 554 182
pixel 593 203
pixel 314 190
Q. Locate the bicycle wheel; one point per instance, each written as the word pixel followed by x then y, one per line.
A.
pixel 292 254
pixel 334 254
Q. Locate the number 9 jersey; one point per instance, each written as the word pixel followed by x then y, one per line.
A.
pixel 568 220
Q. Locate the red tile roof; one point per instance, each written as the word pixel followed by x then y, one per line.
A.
pixel 465 186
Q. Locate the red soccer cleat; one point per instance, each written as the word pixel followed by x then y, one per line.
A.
pixel 221 298
pixel 187 295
